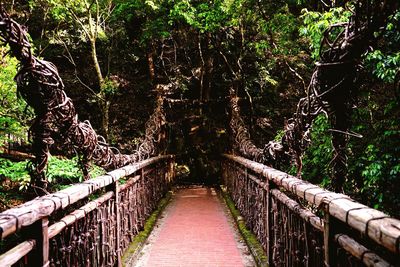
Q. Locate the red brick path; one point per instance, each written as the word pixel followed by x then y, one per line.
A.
pixel 195 232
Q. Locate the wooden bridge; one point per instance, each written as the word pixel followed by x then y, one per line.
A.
pixel 297 223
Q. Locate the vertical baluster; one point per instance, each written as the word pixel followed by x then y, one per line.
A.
pixel 269 220
pixel 118 224
pixel 331 227
pixel 263 215
pixel 39 231
pixel 142 197
pixel 115 188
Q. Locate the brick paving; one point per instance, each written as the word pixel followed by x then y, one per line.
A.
pixel 195 231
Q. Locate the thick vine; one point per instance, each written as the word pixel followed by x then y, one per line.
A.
pixel 39 83
pixel 331 91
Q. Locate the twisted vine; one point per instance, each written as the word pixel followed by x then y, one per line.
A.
pixel 331 91
pixel 242 139
pixel 39 83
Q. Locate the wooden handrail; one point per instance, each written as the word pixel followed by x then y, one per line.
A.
pixel 373 223
pixel 113 210
pixel 9 258
pixel 297 221
pixel 28 213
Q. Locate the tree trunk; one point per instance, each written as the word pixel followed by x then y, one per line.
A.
pixel 202 67
pixel 105 118
pixel 96 62
pixel 103 102
pixel 340 122
pixel 150 62
pixel 209 60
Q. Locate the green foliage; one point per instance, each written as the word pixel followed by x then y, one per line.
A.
pixel 378 166
pixel 185 11
pixel 77 20
pixel 380 171
pixel 59 171
pixel 13 113
pixel 62 10
pixel 384 62
pixel 148 18
pixel 253 41
pixel 207 17
pixel 16 172
pixel 374 161
pixel 319 154
pixel 284 26
pixel 315 24
pixel 154 29
pixel 157 18
pixel 109 87
pixel 384 66
pixel 279 135
pixel 67 170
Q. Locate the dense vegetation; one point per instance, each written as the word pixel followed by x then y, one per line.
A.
pixel 112 53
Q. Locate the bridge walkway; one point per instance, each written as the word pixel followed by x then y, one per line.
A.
pixel 195 229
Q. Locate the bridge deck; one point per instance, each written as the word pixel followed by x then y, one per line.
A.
pixel 195 230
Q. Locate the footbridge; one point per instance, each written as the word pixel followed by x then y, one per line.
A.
pixel 294 222
pixel 297 223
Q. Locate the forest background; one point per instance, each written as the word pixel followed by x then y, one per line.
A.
pixel 112 54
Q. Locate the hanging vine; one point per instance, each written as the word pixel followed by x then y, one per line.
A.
pixel 39 83
pixel 331 91
pixel 242 140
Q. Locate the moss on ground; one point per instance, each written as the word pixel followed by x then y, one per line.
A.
pixel 140 239
pixel 251 240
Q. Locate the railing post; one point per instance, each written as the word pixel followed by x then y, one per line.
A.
pixel 115 188
pixel 118 222
pixel 171 171
pixel 269 221
pixel 330 225
pixel 144 194
pixel 223 172
pixel 39 231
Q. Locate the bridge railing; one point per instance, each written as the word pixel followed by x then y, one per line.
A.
pixel 87 224
pixel 301 224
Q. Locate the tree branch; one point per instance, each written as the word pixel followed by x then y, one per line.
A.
pixel 79 22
